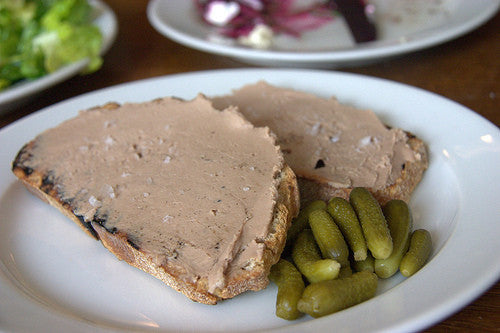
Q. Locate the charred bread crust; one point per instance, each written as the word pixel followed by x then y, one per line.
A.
pixel 40 185
pixel 319 189
pixel 254 278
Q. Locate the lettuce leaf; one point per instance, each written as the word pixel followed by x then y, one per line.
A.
pixel 38 37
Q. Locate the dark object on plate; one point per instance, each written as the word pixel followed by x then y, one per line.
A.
pixel 354 12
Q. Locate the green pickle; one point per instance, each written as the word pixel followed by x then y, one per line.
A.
pixel 344 215
pixel 326 297
pixel 290 289
pixel 399 219
pixel 345 271
pixel 329 237
pixel 418 253
pixel 302 220
pixel 377 234
pixel 365 265
pixel 307 258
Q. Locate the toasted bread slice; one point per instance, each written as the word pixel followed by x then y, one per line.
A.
pixel 332 147
pixel 174 188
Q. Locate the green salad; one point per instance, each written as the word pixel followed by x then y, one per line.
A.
pixel 38 37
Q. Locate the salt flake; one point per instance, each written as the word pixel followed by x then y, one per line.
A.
pixel 110 191
pixel 109 140
pixel 365 141
pixel 167 218
pixel 94 202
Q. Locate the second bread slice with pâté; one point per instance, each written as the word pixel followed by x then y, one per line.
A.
pixel 333 147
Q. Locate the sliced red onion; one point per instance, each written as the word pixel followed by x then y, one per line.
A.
pixel 238 18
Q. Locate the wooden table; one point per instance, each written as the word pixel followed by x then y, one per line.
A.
pixel 466 70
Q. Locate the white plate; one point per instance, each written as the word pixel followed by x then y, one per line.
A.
pixel 54 277
pixel 404 26
pixel 14 95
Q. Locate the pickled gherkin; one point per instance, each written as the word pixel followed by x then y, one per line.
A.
pixel 345 271
pixel 329 237
pixel 290 288
pixel 344 215
pixel 342 248
pixel 302 220
pixel 307 258
pixel 373 223
pixel 399 219
pixel 418 253
pixel 326 297
pixel 365 265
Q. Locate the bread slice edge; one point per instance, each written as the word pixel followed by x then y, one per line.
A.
pixel 286 207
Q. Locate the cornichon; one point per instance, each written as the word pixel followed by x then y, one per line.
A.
pixel 326 297
pixel 345 271
pixel 418 253
pixel 344 215
pixel 373 223
pixel 302 220
pixel 307 258
pixel 399 220
pixel 290 288
pixel 329 237
pixel 365 265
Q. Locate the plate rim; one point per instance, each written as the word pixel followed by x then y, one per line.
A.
pixel 466 295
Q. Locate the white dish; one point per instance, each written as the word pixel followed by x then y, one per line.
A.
pixel 404 26
pixel 14 95
pixel 55 278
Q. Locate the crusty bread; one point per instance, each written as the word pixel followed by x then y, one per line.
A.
pixel 296 116
pixel 253 277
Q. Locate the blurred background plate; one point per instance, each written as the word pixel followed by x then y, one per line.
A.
pixel 403 26
pixel 21 92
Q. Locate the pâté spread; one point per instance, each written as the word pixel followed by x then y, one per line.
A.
pixel 190 186
pixel 323 139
